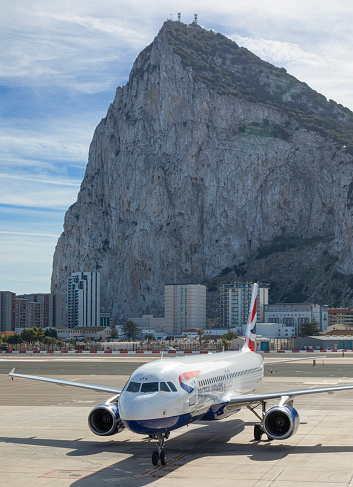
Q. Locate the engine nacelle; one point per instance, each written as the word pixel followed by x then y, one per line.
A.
pixel 104 420
pixel 281 422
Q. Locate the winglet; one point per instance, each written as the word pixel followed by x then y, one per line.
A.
pixel 250 337
pixel 12 371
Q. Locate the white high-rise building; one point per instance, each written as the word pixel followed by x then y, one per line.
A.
pixel 235 302
pixel 185 307
pixel 83 299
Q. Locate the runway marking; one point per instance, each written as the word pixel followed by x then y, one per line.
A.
pixel 351 482
pixel 53 453
pixel 274 478
pixel 151 472
pixel 68 474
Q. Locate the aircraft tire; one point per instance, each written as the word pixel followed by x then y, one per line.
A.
pixel 155 457
pixel 163 458
pixel 257 432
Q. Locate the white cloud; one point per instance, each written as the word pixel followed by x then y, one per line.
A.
pixel 36 195
pixel 28 262
pixel 84 49
pixel 29 234
pixel 279 52
pixel 58 182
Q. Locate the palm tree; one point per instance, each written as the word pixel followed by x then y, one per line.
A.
pixel 200 334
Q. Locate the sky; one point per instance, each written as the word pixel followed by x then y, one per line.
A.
pixel 60 64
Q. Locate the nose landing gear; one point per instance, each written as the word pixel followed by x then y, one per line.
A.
pixel 159 454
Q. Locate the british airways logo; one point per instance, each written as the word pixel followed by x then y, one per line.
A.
pixel 187 380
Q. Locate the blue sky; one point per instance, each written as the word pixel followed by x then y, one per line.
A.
pixel 60 64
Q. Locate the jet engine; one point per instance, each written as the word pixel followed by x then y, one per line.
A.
pixel 281 422
pixel 104 420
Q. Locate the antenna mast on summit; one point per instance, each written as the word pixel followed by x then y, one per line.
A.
pixel 179 16
pixel 195 18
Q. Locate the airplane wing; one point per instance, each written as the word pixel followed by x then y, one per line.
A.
pixel 251 398
pixel 62 382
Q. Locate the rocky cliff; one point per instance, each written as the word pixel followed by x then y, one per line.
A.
pixel 212 165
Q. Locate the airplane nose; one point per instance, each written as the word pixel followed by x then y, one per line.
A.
pixel 135 407
pixel 139 413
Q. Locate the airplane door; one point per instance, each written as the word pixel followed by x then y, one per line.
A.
pixel 192 398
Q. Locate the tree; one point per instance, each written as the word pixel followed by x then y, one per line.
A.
pixel 131 330
pixel 29 335
pixel 113 335
pixel 226 343
pixel 200 334
pixel 14 339
pixel 51 332
pixel 40 334
pixel 230 335
pixel 50 341
pixel 309 329
pixel 150 337
pixel 5 337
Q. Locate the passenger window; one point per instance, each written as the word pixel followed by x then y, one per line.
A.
pixel 163 387
pixel 172 386
pixel 149 387
pixel 133 387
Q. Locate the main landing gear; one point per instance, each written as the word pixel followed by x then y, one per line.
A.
pixel 159 454
pixel 258 428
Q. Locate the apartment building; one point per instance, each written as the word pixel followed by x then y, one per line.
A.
pixel 83 299
pixel 235 301
pixel 185 307
pixel 7 311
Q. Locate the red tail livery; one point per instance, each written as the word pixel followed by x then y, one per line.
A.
pixel 250 338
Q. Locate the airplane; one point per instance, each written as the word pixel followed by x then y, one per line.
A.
pixel 164 395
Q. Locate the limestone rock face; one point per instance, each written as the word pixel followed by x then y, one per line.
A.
pixel 185 180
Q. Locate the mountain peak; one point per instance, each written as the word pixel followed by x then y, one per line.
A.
pixel 212 164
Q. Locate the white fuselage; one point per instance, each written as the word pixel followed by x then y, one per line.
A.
pixel 166 394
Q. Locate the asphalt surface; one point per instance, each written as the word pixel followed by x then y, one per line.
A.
pixel 45 440
pixel 334 365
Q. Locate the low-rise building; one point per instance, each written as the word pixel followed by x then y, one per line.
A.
pixel 296 314
pixel 89 332
pixel 324 342
pixel 273 330
pixel 338 328
pixel 262 343
pixel 150 322
pixel 340 316
pixel 105 319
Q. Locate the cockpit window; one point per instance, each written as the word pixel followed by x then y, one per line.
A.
pixel 163 387
pixel 133 387
pixel 149 387
pixel 172 386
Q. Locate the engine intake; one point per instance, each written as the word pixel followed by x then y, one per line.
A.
pixel 281 422
pixel 104 420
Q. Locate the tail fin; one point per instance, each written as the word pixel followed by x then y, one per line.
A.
pixel 250 337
